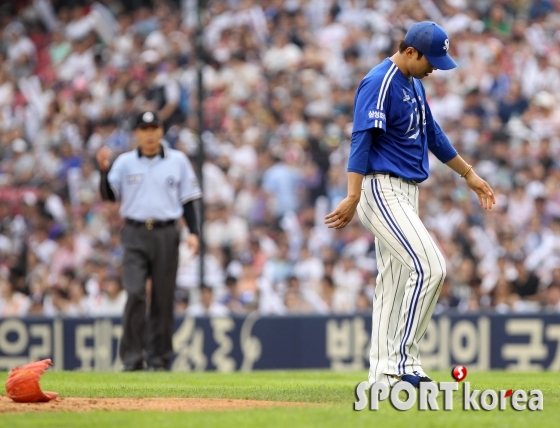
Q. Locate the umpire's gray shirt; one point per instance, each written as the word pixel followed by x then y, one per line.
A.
pixel 153 188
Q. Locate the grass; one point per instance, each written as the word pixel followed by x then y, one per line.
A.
pixel 334 389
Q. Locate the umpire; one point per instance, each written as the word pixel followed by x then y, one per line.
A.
pixel 155 185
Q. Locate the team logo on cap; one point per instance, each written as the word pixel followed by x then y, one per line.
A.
pixel 446 45
pixel 148 117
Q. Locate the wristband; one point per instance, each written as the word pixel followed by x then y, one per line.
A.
pixel 467 171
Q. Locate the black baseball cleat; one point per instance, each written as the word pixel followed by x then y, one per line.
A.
pixel 415 379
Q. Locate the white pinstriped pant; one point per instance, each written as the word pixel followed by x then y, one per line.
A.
pixel 411 270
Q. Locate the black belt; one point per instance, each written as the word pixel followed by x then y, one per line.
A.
pixel 391 174
pixel 150 223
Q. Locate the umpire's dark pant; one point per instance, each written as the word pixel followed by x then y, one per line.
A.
pixel 149 253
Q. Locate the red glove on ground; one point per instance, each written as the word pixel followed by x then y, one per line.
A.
pixel 22 384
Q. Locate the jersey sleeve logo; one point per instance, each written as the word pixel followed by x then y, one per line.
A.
pixel 376 114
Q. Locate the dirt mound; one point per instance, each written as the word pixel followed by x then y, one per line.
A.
pixel 158 404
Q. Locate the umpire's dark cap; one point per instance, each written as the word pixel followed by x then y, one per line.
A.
pixel 147 118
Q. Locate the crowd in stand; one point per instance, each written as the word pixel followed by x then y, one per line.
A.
pixel 279 79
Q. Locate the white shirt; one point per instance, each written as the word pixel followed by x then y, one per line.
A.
pixel 288 56
pixel 520 209
pixel 55 207
pixel 311 269
pixel 6 93
pixel 18 305
pixel 447 222
pixel 217 188
pixel 78 65
pixel 232 232
pixel 171 87
pixel 45 250
pixel 157 40
pixel 350 280
pixel 80 28
pixel 189 266
pixel 102 305
pixel 448 108
pixel 245 157
pixel 24 46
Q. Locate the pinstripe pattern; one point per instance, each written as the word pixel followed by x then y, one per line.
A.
pixel 423 323
pixel 411 270
pixel 379 198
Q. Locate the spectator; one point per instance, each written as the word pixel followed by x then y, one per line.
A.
pixel 70 254
pixel 278 268
pixel 335 301
pixel 7 89
pixel 283 55
pixel 42 246
pixel 553 298
pixel 60 48
pixel 363 304
pixel 309 269
pixel 295 304
pixel 446 106
pixel 281 182
pixel 503 300
pixel 447 300
pixel 296 300
pixel 347 277
pixel 527 283
pixel 513 104
pixel 207 305
pixel 21 50
pixel 181 302
pixel 236 302
pixel 163 92
pixel 78 299
pixel 38 288
pixel 12 302
pixel 498 21
pixel 224 229
pixel 80 62
pixel 111 301
pixel 23 164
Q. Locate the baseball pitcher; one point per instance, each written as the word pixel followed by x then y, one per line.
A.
pixel 393 130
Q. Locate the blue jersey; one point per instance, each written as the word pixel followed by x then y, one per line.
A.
pixel 393 126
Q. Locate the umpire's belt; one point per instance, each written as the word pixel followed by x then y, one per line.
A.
pixel 391 174
pixel 150 223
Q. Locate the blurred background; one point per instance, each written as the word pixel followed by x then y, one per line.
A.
pixel 279 79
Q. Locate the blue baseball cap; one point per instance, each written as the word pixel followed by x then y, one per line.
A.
pixel 432 40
